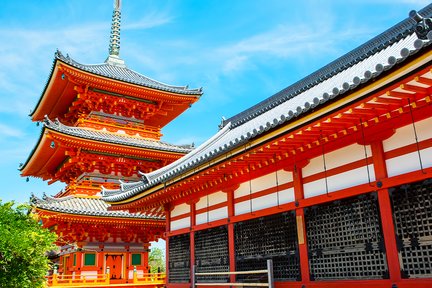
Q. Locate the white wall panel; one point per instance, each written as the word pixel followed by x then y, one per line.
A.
pixel 213 215
pixel 336 158
pixel 405 135
pixel 409 162
pixel 339 181
pixel 263 182
pixel 179 224
pixel 242 207
pixel 180 209
pixel 286 196
pixel 213 199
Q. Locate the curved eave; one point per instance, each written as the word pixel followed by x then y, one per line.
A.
pixel 42 158
pixel 49 99
pixel 102 145
pixel 76 216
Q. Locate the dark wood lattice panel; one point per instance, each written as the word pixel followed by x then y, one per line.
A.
pixel 345 239
pixel 211 253
pixel 271 237
pixel 179 259
pixel 412 215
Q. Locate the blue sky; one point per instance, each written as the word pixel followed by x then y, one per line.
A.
pixel 239 51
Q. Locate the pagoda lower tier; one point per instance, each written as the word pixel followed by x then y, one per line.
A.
pixel 93 240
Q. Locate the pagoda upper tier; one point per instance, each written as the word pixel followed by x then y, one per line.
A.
pixel 75 92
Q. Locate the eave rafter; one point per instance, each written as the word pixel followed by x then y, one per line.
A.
pixel 389 106
pixel 87 162
pixel 88 100
pixel 72 228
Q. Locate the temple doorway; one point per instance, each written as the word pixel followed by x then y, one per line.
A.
pixel 114 262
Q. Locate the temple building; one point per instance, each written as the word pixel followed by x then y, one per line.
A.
pixel 330 178
pixel 102 123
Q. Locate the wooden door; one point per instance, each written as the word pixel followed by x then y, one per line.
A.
pixel 115 264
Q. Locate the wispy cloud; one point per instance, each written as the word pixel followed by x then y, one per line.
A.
pixel 285 42
pixel 8 131
pixel 150 20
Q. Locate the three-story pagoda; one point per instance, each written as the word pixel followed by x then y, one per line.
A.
pixel 102 123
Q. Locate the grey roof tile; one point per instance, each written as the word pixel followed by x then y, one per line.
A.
pixel 80 205
pixel 91 134
pixel 127 75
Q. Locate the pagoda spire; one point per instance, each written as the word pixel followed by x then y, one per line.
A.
pixel 114 46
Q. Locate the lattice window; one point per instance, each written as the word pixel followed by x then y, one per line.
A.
pixel 412 214
pixel 179 259
pixel 211 253
pixel 345 240
pixel 271 237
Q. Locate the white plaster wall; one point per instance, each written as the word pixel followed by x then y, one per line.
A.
pixel 242 190
pixel 336 158
pixel 409 162
pixel 242 207
pixel 181 223
pixel 213 199
pixel 263 182
pixel 213 215
pixel 266 201
pixel 405 135
pixel 286 196
pixel 339 181
pixel 180 209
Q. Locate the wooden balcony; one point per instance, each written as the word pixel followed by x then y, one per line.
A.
pixel 103 280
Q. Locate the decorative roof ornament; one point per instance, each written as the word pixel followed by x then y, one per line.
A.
pixel 423 28
pixel 114 46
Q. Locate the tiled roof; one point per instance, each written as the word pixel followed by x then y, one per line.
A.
pixel 125 74
pixel 83 205
pixel 362 65
pixel 107 137
pixel 375 48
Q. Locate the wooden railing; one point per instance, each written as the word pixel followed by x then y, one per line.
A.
pixel 149 278
pixel 74 280
pixel 91 280
pixel 268 271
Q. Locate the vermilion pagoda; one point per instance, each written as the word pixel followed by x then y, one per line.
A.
pixel 102 123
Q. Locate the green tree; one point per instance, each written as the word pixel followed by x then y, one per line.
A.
pixel 23 247
pixel 157 260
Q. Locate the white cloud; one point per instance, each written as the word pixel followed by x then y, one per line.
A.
pixel 8 131
pixel 150 20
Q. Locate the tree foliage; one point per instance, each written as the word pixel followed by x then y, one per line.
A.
pixel 23 247
pixel 157 260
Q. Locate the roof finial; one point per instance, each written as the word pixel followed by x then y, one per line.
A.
pixel 114 46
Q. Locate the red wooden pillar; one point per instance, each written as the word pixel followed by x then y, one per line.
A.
pixel 231 243
pixel 192 235
pixel 100 260
pixel 127 262
pixel 386 212
pixel 296 169
pixel 167 210
pixel 79 259
pixel 145 263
